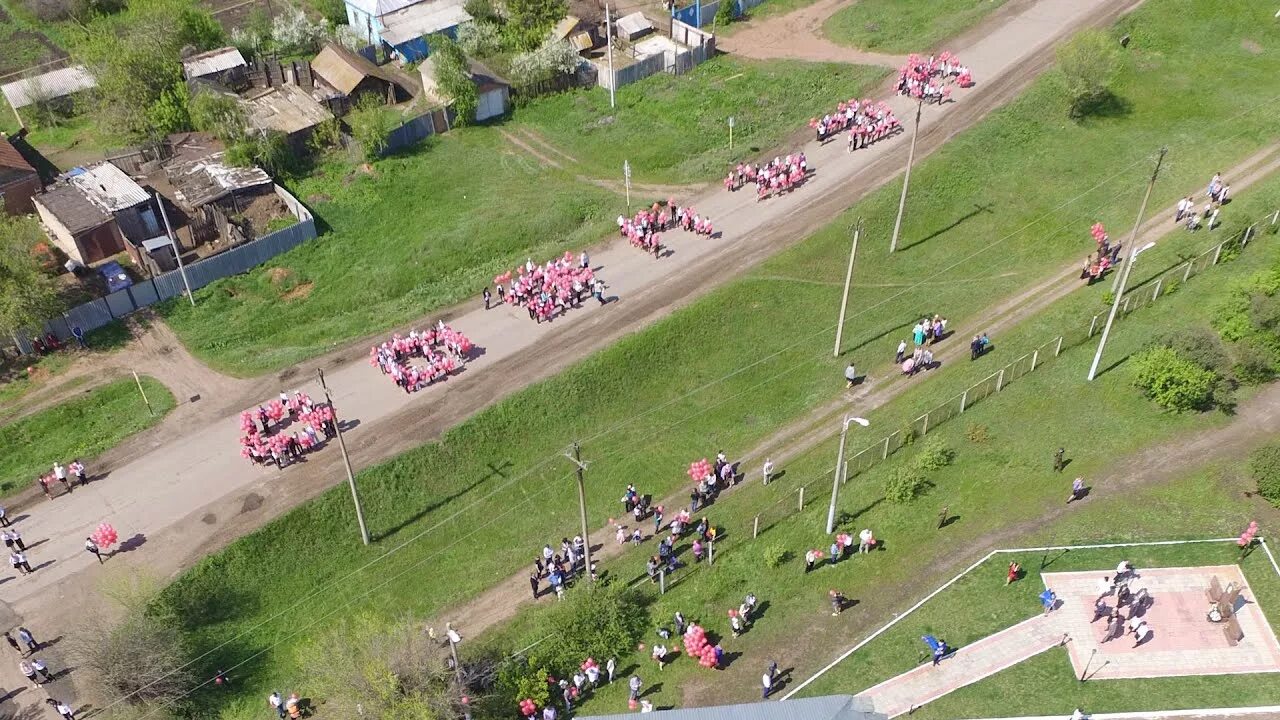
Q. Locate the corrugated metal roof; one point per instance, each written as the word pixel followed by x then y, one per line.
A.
pixel 207 179
pixel 827 707
pixel 212 62
pixel 378 8
pixel 287 108
pixel 109 187
pixel 423 19
pixel 343 70
pixel 634 25
pixel 69 204
pixel 50 85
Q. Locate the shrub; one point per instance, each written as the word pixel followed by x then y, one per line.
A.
pixel 480 38
pixel 725 12
pixel 775 556
pixel 480 11
pixel 219 114
pixel 1264 467
pixel 1254 362
pixel 453 76
pixel 978 434
pixel 904 485
pixel 934 455
pixel 1172 381
pixel 371 125
pixel 1088 65
pixel 1201 345
pixel 143 657
pixel 596 620
pixel 551 59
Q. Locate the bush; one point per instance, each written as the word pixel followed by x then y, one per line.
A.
pixel 1172 381
pixel 1088 65
pixel 553 58
pixel 480 38
pixel 934 455
pixel 1201 345
pixel 371 125
pixel 143 658
pixel 453 76
pixel 904 485
pixel 595 620
pixel 482 12
pixel 219 114
pixel 1264 467
pixel 1254 362
pixel 775 556
pixel 725 12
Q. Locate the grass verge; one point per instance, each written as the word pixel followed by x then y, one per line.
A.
pixel 893 26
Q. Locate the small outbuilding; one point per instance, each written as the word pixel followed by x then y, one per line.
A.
pixel 494 93
pixel 826 707
pixel 287 109
pixel 224 65
pixel 55 86
pixel 81 229
pixel 352 75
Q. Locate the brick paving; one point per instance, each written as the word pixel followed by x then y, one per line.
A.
pixel 1184 642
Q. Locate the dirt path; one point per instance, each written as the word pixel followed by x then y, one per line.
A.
pixel 798 36
pixel 550 156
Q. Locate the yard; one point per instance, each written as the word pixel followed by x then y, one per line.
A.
pixel 905 27
pixel 674 129
pixel 665 401
pixel 83 428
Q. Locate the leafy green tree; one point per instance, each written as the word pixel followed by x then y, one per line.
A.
pixel 531 20
pixel 453 76
pixel 1088 65
pixel 1172 381
pixel 598 621
pixel 371 124
pixel 725 12
pixel 219 114
pixel 905 484
pixel 1264 466
pixel 27 294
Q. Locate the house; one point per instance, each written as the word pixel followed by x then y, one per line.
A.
pixel 400 25
pixel 826 707
pixel 90 212
pixel 224 65
pixel 18 180
pixel 351 75
pixel 55 86
pixel 210 192
pixel 493 92
pixel 287 109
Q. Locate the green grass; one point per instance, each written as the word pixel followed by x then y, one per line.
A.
pixel 83 427
pixel 895 26
pixel 674 129
pixel 419 232
pixel 29 373
pixel 473 507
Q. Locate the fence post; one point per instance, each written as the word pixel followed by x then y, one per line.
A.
pixel 885 454
pixel 925 430
pixel 1034 356
pixel 662 579
pixel 1218 250
pixel 1156 294
pixel 1058 350
pixel 1187 274
pixel 801 498
pixel 1248 233
pixel 755 528
pixel 1275 218
pixel 1093 325
pixel 964 398
pixel 1000 380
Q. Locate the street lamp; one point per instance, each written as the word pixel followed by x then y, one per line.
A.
pixel 838 475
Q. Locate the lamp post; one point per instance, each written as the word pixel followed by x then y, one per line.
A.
pixel 835 483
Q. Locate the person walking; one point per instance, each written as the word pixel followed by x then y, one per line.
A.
pixel 63 709
pixel 850 375
pixel 767 681
pixel 4 520
pixel 77 469
pixel 810 557
pixel 533 577
pixel 43 482
pixel 276 702
pixel 16 563
pixel 1058 461
pixel 60 472
pixel 21 559
pixel 837 602
pixel 28 671
pixel 28 639
pixel 767 470
pixel 12 642
pixel 610 666
pixel 1077 490
pixel 92 547
pixel 41 668
pixel 16 537
pixel 634 684
pixel 835 551
pixel 902 352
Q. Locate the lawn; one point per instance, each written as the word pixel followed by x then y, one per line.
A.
pixel 894 26
pixel 674 129
pixel 83 428
pixel 410 234
pixel 647 406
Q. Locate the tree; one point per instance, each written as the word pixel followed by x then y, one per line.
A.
pixel 142 658
pixel 219 114
pixel 1172 381
pixel 1088 65
pixel 371 125
pixel 28 295
pixel 453 77
pixel 725 12
pixel 531 20
pixel 598 621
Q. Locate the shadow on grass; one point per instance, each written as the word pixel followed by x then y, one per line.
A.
pixel 977 210
pixel 493 472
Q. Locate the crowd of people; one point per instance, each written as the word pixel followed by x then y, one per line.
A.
pixel 1124 588
pixel 34 668
pixel 778 176
pixel 442 349
pixel 929 79
pixel 1104 257
pixel 263 436
pixel 866 120
pixel 548 289
pixel 641 229
pixel 559 569
pixel 1216 195
pixel 66 475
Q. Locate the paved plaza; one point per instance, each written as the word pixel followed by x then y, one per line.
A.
pixel 1183 642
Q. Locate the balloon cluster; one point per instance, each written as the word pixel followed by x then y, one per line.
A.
pixel 256 444
pixel 1098 232
pixel 1246 537
pixel 538 287
pixel 696 646
pixel 528 707
pixel 589 663
pixel 104 536
pixel 844 540
pixel 392 357
pixel 699 469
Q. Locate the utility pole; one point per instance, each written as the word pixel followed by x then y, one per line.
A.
pixel 1128 266
pixel 626 181
pixel 576 459
pixel 906 179
pixel 346 460
pixel 730 132
pixel 848 277
pixel 177 251
pixel 608 29
pixel 839 473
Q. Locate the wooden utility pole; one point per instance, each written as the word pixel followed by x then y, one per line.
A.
pixel 848 277
pixel 906 178
pixel 576 459
pixel 346 460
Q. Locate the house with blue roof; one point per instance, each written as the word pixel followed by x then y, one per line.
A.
pixel 400 26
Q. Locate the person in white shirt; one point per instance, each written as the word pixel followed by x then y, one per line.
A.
pixel 767 470
pixel 766 680
pixel 902 351
pixel 1183 205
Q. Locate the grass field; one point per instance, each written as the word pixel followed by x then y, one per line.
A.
pixel 416 232
pixel 666 400
pixel 894 26
pixel 674 129
pixel 81 428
